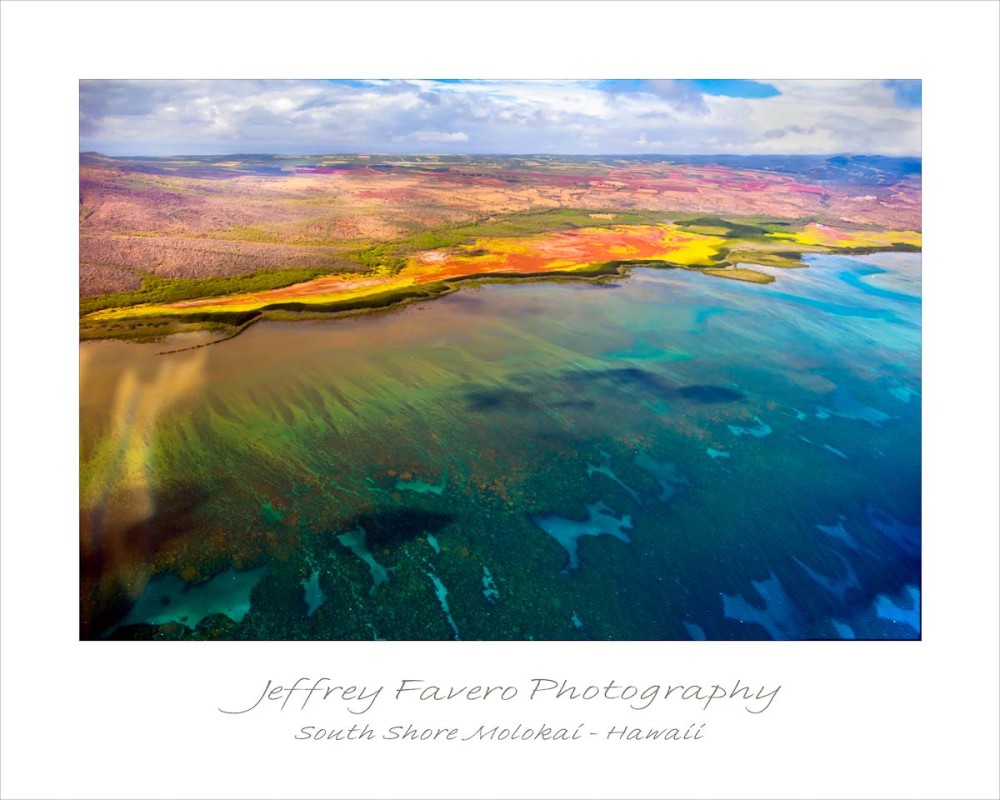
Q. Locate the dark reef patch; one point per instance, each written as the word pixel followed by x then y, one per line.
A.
pixel 399 525
pixel 481 400
pixel 700 393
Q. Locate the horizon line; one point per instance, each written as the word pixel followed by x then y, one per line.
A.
pixel 509 155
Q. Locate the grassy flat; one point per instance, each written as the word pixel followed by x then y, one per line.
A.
pixel 739 274
pixel 564 243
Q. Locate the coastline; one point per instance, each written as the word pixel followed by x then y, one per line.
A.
pixel 432 274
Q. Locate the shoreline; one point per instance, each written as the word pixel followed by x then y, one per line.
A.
pixel 304 311
pixel 549 256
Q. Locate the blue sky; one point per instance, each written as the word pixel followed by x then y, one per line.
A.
pixel 517 116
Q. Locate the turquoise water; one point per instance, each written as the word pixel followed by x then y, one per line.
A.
pixel 671 456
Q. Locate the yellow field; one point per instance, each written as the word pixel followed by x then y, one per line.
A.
pixel 560 251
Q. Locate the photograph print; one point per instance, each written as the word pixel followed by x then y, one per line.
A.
pixel 500 359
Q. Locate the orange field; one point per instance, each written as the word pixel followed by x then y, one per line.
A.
pixel 560 251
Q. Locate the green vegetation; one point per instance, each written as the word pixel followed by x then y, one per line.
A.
pixel 388 257
pixel 171 290
pixel 252 233
pixel 733 229
pixel 380 257
pixel 528 224
pixel 747 229
pixel 765 258
pixel 738 274
pixel 385 299
pixel 231 323
pixel 299 235
pixel 393 255
pixel 898 247
pixel 152 329
pixel 608 268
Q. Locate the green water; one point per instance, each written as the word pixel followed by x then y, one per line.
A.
pixel 671 456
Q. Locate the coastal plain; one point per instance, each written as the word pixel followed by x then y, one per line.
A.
pixel 168 245
pixel 454 397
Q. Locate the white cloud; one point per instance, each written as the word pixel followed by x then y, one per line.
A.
pixel 437 136
pixel 172 117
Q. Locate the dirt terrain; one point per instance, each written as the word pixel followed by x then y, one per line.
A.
pixel 205 217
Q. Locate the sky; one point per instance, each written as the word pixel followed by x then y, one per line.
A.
pixel 672 117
